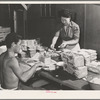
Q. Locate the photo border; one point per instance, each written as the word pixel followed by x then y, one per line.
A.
pixel 61 94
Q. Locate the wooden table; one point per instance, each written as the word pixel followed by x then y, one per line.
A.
pixel 65 79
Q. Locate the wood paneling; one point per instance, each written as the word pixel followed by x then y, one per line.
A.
pixel 4 15
pixel 92 30
pixel 39 26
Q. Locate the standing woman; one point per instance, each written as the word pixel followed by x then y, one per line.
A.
pixel 69 32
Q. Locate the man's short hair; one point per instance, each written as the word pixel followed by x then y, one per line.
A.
pixel 12 37
pixel 65 13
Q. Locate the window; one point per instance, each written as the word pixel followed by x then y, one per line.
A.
pixel 47 10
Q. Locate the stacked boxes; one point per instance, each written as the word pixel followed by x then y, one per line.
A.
pixel 32 52
pixel 74 64
pixel 89 55
pixel 3 32
pixel 78 63
pixel 29 47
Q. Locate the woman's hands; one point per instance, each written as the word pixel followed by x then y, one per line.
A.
pixel 52 46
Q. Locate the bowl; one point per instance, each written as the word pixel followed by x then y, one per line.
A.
pixel 94 86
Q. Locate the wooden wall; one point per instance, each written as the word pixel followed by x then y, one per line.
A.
pixel 92 28
pixel 39 26
pixel 4 15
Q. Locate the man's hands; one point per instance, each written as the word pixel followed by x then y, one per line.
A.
pixel 39 64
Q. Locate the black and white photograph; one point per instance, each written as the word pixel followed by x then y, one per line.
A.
pixel 49 47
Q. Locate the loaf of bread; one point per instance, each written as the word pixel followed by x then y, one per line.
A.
pixel 81 72
pixel 76 60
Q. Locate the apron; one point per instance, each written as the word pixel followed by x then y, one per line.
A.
pixel 75 47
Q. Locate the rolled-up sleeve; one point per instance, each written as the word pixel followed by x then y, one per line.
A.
pixel 76 32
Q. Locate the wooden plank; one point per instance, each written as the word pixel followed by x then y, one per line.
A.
pixel 47 75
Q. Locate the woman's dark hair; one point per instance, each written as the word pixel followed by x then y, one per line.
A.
pixel 12 37
pixel 65 13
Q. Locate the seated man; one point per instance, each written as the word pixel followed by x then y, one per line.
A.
pixel 11 72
